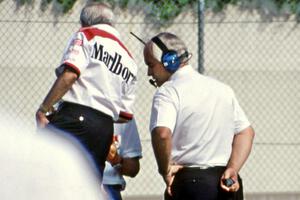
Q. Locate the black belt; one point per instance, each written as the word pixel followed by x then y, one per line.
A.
pixel 197 171
pixel 203 169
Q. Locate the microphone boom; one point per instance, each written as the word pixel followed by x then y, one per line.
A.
pixel 142 41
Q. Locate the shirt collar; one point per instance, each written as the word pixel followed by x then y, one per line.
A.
pixel 108 28
pixel 182 71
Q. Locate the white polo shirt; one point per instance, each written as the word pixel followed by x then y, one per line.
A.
pixel 129 146
pixel 107 71
pixel 203 115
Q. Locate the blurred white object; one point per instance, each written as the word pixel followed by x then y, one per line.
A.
pixel 44 166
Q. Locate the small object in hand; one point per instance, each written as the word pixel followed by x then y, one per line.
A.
pixel 228 182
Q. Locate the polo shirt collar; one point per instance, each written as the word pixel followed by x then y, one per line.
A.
pixel 108 28
pixel 182 71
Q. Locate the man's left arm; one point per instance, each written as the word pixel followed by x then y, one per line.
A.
pixel 128 166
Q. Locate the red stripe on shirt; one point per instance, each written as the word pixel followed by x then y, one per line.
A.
pixel 90 33
pixel 73 67
pixel 126 115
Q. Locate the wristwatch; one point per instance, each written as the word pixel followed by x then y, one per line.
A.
pixel 44 110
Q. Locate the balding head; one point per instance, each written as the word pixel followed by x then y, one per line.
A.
pixel 96 13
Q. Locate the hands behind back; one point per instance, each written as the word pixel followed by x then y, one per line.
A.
pixel 230 173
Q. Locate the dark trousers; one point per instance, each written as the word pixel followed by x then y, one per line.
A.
pixel 201 184
pixel 93 129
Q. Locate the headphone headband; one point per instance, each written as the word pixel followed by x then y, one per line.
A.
pixel 170 59
pixel 160 44
pixel 164 48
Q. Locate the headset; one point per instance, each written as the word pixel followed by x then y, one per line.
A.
pixel 170 60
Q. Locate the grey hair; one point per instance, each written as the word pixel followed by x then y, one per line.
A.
pixel 96 13
pixel 172 42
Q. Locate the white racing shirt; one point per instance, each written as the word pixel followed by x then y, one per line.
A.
pixel 203 115
pixel 106 69
pixel 129 146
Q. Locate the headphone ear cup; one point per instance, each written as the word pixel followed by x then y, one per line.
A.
pixel 171 61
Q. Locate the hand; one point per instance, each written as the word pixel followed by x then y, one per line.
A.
pixel 169 177
pixel 113 157
pixel 230 173
pixel 41 119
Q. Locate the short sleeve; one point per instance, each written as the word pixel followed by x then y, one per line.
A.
pixel 240 119
pixel 130 140
pixel 164 109
pixel 76 54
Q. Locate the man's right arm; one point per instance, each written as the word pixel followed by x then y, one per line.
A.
pixel 62 84
pixel 162 145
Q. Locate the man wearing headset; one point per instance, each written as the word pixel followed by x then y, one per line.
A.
pixel 201 137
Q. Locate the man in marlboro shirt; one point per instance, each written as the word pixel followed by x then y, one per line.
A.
pixel 95 83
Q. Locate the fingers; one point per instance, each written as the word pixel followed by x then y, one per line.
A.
pixel 168 194
pixel 112 153
pixel 169 190
pixel 41 120
pixel 169 181
pixel 229 180
pixel 233 188
pixel 174 169
pixel 169 178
